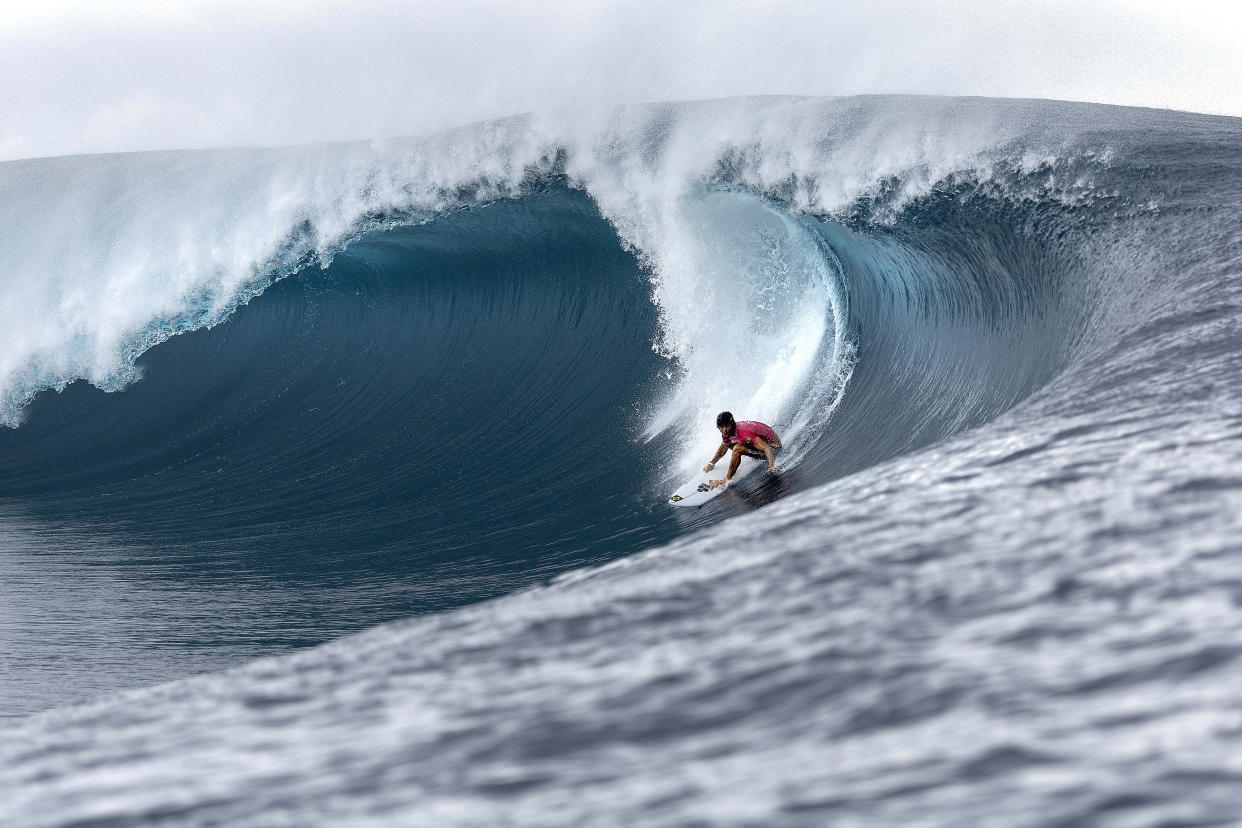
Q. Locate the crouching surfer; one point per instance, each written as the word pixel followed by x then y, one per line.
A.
pixel 749 438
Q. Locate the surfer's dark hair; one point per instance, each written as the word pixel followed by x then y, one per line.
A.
pixel 724 418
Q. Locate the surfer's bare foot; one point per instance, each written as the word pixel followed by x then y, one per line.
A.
pixel 716 484
pixel 773 470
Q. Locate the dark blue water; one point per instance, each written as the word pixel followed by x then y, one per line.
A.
pixel 997 581
pixel 444 414
pixel 401 411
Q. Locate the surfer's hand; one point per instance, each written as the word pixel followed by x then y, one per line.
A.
pixel 709 467
pixel 716 484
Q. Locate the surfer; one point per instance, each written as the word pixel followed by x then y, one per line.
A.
pixel 748 437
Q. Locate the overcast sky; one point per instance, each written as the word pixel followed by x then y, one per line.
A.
pixel 140 74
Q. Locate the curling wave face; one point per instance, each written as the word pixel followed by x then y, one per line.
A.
pixel 411 375
pixel 999 579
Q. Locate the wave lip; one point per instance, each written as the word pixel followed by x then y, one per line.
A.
pixel 108 255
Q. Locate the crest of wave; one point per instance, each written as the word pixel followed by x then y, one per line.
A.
pixel 106 256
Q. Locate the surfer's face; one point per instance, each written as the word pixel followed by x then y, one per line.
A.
pixel 725 430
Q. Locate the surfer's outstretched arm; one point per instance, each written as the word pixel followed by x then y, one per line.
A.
pixel 719 453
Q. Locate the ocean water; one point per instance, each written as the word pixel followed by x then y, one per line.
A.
pixel 332 488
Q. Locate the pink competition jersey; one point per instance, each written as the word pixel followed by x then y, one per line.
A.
pixel 747 431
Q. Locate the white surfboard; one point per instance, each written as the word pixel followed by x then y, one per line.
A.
pixel 696 491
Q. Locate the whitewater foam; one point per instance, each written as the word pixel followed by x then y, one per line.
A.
pixel 751 312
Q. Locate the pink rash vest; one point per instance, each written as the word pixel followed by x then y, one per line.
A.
pixel 746 432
